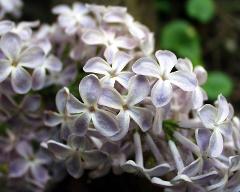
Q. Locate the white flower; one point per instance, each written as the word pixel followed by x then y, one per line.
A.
pixel 161 93
pixel 17 57
pixel 73 19
pixel 216 119
pixel 111 71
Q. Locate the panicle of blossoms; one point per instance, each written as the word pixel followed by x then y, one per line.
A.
pixel 129 111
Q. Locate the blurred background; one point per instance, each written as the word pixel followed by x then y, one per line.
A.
pixel 205 31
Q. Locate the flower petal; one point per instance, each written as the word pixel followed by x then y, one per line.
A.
pixel 167 60
pixel 208 114
pixel 146 66
pixel 32 57
pixel 184 80
pixel 105 123
pixel 110 98
pixel 18 168
pixel 39 173
pixel 158 170
pixel 124 121
pixel 24 149
pixel 81 124
pixel 223 109
pixel 93 158
pixel 120 60
pixel 52 63
pixel 5 69
pixel 215 147
pixel 51 118
pixel 93 37
pixel 74 166
pixel 97 65
pixel 59 150
pixel 123 78
pixel 161 93
pixel 61 99
pixel 74 105
pixel 31 103
pixel 90 89
pixel 21 80
pixel 202 138
pixel 159 181
pixel 138 89
pixel 125 42
pixel 143 117
pixel 193 168
pixel 38 78
pixel 10 45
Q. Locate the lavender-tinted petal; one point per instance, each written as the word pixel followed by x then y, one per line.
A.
pixel 21 80
pixel 24 149
pixel 120 60
pixel 110 98
pixel 223 108
pixel 97 65
pixel 5 69
pixel 18 168
pixel 74 105
pixel 167 60
pixel 193 168
pixel 61 99
pixel 208 114
pixel 10 45
pixel 125 42
pixel 158 170
pixel 184 80
pixel 52 119
pixel 32 57
pixel 159 181
pixel 146 66
pixel 202 138
pixel 31 103
pixel 59 150
pixel 90 89
pixel 38 78
pixel 161 93
pixel 105 123
pixel 123 78
pixel 52 63
pixel 138 89
pixel 74 166
pixel 215 147
pixel 81 124
pixel 93 37
pixel 39 173
pixel 143 117
pixel 93 158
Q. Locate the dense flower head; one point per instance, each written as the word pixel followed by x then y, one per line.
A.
pixel 88 92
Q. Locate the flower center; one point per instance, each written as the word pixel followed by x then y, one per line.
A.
pixel 91 109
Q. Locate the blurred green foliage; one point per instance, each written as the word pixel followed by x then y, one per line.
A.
pixel 180 33
pixel 182 38
pixel 202 10
pixel 218 82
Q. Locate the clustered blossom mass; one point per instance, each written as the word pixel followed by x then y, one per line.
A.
pixel 120 106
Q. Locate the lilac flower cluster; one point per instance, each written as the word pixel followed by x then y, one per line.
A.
pixel 136 111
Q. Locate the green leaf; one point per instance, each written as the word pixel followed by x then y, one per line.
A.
pixel 179 36
pixel 218 82
pixel 202 10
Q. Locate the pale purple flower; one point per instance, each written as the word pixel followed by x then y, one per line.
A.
pixel 198 95
pixel 111 71
pixel 62 117
pixel 105 122
pixel 109 39
pixel 161 92
pixel 138 90
pixel 16 59
pixel 51 64
pixel 29 162
pixel 75 18
pixel 217 120
pixel 76 155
